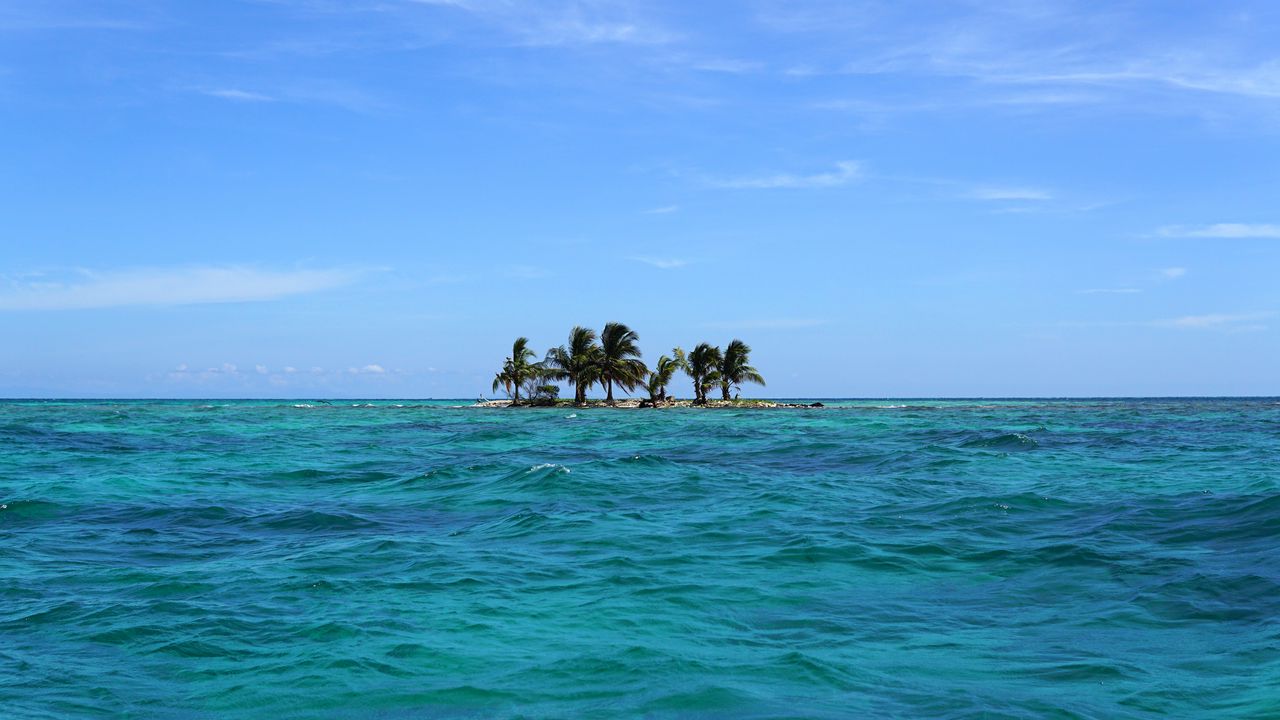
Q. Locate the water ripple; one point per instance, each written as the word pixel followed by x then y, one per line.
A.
pixel 1092 558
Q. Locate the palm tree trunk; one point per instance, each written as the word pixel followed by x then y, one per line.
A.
pixel 724 390
pixel 609 399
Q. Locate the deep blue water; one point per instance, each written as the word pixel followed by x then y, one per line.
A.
pixel 985 559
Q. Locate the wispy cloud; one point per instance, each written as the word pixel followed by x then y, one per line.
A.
pixel 845 172
pixel 229 375
pixel 1009 193
pixel 1173 273
pixel 664 210
pixel 768 324
pixel 1220 322
pixel 1222 230
pixel 662 263
pixel 303 92
pixel 562 22
pixel 238 95
pixel 524 272
pixel 1109 291
pixel 49 16
pixel 88 289
pixel 1240 322
pixel 1046 52
pixel 731 66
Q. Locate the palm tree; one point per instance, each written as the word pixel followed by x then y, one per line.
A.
pixel 503 378
pixel 704 367
pixel 620 359
pixel 578 362
pixel 734 368
pixel 661 375
pixel 516 369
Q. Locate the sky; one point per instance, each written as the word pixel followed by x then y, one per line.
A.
pixel 373 198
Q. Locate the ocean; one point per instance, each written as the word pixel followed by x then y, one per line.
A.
pixel 912 558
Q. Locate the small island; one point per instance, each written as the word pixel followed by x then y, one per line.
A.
pixel 613 359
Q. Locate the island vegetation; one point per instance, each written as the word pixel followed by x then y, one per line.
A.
pixel 612 359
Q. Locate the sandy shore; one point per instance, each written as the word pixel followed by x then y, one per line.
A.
pixel 635 403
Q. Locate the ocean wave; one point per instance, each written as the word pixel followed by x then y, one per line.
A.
pixel 1006 441
pixel 307 520
pixel 552 467
pixel 874 562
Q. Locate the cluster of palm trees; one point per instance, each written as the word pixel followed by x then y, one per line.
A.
pixel 613 358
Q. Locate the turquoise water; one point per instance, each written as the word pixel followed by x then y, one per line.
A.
pixel 1092 559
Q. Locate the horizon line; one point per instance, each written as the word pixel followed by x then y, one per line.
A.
pixel 780 397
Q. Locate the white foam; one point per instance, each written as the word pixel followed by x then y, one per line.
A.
pixel 547 466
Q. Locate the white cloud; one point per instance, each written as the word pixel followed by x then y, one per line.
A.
pixel 1110 291
pixel 373 369
pixel 731 66
pixel 665 209
pixel 844 173
pixel 1217 321
pixel 229 375
pixel 524 272
pixel 88 289
pixel 768 324
pixel 565 23
pixel 238 95
pixel 1009 193
pixel 49 16
pixel 304 92
pixel 1173 273
pixel 1222 230
pixel 1047 51
pixel 662 263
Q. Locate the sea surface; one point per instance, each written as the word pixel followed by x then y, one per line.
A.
pixel 885 559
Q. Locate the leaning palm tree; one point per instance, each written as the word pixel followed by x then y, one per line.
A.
pixel 620 359
pixel 516 369
pixel 502 379
pixel 735 368
pixel 661 376
pixel 704 368
pixel 578 362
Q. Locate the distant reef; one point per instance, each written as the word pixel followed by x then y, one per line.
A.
pixel 636 404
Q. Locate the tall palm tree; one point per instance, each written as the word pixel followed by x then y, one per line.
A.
pixel 735 368
pixel 578 362
pixel 620 359
pixel 704 369
pixel 516 369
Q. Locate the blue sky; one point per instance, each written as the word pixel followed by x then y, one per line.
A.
pixel 372 198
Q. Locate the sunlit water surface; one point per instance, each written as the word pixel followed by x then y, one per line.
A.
pixel 1096 559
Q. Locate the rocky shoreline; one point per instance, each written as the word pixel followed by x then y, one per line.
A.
pixel 634 403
